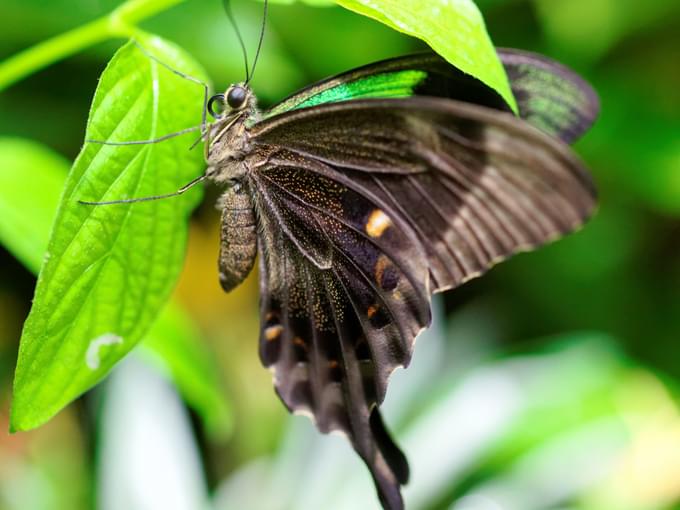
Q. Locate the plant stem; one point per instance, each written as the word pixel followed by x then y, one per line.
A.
pixel 119 23
pixel 47 52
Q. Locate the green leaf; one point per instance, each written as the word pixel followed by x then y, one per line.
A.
pixel 453 28
pixel 27 211
pixel 172 340
pixel 607 23
pixel 110 269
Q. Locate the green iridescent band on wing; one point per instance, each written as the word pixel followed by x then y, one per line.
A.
pixel 389 85
pixel 550 96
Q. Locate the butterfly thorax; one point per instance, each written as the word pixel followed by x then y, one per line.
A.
pixel 229 143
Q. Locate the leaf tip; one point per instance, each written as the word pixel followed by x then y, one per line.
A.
pixel 24 415
pixel 18 421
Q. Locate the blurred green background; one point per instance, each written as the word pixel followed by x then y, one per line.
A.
pixel 551 383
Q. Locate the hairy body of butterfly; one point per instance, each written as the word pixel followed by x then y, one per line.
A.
pixel 367 193
pixel 238 236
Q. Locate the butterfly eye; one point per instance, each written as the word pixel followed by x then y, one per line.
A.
pixel 236 97
pixel 216 100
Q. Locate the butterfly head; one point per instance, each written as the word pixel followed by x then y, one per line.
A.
pixel 237 99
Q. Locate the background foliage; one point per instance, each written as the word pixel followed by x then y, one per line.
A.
pixel 550 383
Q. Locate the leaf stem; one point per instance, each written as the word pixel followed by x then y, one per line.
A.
pixel 119 23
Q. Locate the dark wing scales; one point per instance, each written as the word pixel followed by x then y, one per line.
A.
pixel 388 272
pixel 315 337
pixel 333 336
pixel 473 184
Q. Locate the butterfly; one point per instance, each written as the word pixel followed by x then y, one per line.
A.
pixel 365 194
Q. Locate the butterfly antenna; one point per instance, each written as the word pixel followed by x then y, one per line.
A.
pixel 232 20
pixel 259 43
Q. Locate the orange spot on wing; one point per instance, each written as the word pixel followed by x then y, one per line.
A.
pixel 380 266
pixel 299 342
pixel 377 223
pixel 273 332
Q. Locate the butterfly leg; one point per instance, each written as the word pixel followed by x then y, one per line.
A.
pixel 152 140
pixel 177 193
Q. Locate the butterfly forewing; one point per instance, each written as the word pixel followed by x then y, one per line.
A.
pixel 474 185
pixel 425 74
pixel 549 95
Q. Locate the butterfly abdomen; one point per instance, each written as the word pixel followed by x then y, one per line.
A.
pixel 239 237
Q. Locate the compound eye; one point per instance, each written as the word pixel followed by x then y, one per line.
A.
pixel 236 97
pixel 216 100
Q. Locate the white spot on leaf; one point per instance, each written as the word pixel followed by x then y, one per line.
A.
pixel 92 354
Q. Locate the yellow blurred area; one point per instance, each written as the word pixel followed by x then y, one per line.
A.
pixel 230 322
pixel 646 474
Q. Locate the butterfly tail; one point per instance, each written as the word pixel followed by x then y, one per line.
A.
pixel 386 462
pixel 392 470
pixel 393 455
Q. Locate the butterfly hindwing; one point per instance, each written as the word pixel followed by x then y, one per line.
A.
pixel 387 265
pixel 332 336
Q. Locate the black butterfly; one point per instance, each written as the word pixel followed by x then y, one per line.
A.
pixel 368 192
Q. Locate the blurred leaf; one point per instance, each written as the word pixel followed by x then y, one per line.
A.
pixel 48 469
pixel 570 384
pixel 644 477
pixel 647 165
pixel 109 270
pixel 27 211
pixel 276 72
pixel 172 339
pixel 587 29
pixel 316 53
pixel 455 30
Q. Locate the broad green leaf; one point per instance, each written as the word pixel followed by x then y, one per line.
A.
pixel 27 211
pixel 110 269
pixel 453 28
pixel 30 214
